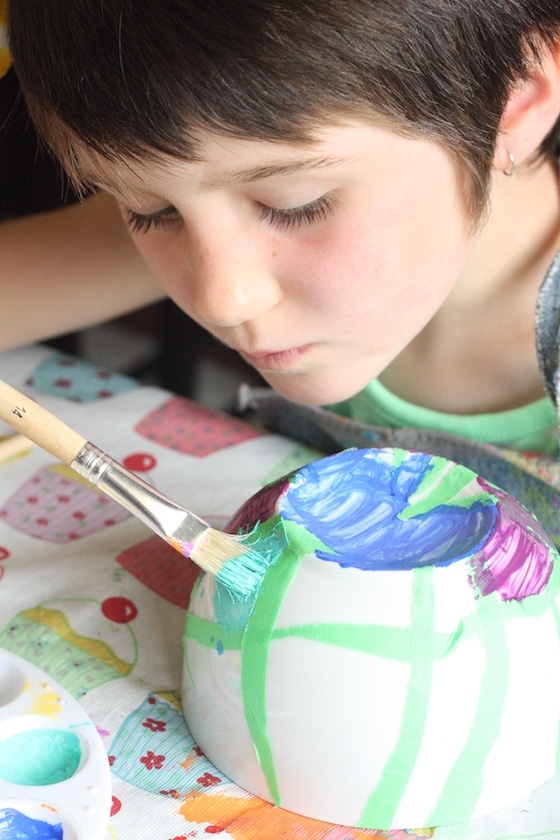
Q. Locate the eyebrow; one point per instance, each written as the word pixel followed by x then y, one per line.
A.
pixel 260 173
pixel 251 174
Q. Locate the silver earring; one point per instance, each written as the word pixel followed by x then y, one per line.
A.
pixel 509 172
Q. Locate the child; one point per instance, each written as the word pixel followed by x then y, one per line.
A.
pixel 360 197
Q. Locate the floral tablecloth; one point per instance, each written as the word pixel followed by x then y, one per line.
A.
pixel 95 600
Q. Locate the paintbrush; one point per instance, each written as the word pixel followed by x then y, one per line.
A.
pixel 225 556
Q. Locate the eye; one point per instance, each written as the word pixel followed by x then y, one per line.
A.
pixel 295 217
pixel 143 222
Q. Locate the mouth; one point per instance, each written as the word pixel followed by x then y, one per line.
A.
pixel 276 360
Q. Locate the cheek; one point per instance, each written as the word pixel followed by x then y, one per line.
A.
pixel 153 251
pixel 168 261
pixel 375 264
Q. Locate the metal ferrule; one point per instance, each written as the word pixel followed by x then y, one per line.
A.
pixel 91 462
pixel 160 513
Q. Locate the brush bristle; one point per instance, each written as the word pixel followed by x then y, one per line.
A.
pixel 229 560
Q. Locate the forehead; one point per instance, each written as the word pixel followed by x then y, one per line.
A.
pixel 220 160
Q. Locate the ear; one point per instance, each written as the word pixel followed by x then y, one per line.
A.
pixel 532 109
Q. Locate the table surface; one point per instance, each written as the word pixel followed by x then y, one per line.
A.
pixel 90 596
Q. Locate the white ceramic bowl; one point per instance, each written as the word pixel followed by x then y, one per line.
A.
pixel 399 665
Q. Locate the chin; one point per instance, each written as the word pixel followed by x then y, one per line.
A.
pixel 314 389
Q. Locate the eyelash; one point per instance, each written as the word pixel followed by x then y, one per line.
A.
pixel 296 217
pixel 142 223
pixel 288 219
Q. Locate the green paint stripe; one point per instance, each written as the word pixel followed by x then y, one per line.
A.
pixel 464 784
pixel 382 804
pixel 254 660
pixel 399 455
pixel 394 643
pixel 186 663
pixel 209 633
pixel 455 486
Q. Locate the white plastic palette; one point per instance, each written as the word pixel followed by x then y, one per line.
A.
pixel 54 773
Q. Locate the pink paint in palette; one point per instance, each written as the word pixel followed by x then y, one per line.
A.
pixel 54 773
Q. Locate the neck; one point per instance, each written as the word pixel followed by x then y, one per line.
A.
pixel 520 237
pixel 478 352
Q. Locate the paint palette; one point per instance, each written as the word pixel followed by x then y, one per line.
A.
pixel 54 774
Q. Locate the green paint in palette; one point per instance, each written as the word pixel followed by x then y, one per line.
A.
pixel 40 757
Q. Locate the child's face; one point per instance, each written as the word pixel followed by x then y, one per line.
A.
pixel 318 263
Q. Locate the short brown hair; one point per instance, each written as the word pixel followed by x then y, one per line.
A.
pixel 131 79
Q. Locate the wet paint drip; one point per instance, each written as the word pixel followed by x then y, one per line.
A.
pixel 17 826
pixel 39 757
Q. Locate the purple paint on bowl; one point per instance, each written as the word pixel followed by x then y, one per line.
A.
pixel 516 560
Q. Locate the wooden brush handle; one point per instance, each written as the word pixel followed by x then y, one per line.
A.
pixel 39 425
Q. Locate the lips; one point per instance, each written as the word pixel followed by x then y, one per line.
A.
pixel 276 359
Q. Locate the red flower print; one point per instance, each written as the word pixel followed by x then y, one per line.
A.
pixel 152 761
pixel 155 725
pixel 174 794
pixel 208 780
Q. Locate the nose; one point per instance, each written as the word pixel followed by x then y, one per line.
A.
pixel 232 278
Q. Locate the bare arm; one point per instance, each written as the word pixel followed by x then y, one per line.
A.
pixel 68 269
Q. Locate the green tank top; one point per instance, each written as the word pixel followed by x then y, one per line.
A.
pixel 532 428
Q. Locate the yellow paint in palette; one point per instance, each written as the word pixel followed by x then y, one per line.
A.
pixel 46 701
